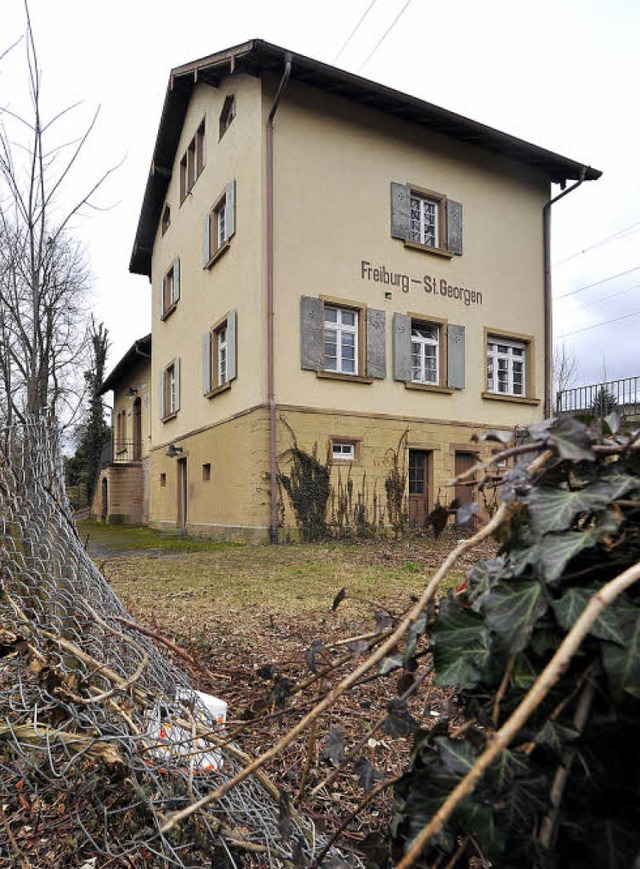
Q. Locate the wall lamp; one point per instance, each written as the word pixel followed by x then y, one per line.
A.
pixel 173 451
pixel 132 391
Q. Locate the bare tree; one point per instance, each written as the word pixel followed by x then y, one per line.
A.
pixel 565 368
pixel 43 272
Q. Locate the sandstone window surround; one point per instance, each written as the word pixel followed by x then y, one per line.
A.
pixel 509 374
pixel 219 226
pixel 219 355
pixel 443 373
pixel 170 289
pixel 169 391
pixel 342 339
pixel 426 220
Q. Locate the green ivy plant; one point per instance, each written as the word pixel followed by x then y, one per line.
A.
pixel 566 791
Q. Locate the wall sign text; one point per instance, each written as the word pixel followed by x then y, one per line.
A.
pixel 430 284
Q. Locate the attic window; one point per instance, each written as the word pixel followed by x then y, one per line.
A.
pixel 166 219
pixel 227 114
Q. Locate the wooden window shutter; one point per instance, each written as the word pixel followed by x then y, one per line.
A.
pixel 232 345
pixel 401 347
pixel 230 210
pixel 454 227
pixel 206 363
pixel 376 344
pixel 176 280
pixel 161 402
pixel 455 356
pixel 206 239
pixel 400 211
pixel 311 333
pixel 177 376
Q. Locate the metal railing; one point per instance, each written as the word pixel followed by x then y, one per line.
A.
pixel 600 399
pixel 126 451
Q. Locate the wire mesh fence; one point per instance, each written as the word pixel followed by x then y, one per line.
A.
pixel 100 735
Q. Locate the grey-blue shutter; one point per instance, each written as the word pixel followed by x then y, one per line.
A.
pixel 400 211
pixel 177 376
pixel 232 344
pixel 230 210
pixel 376 341
pixel 206 239
pixel 455 356
pixel 176 280
pixel 454 227
pixel 161 408
pixel 401 347
pixel 206 363
pixel 311 333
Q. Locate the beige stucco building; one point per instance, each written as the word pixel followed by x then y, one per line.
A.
pixel 122 489
pixel 337 260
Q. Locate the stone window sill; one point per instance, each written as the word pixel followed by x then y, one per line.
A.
pixel 216 255
pixel 218 389
pixel 513 399
pixel 169 311
pixel 429 387
pixel 349 378
pixel 426 248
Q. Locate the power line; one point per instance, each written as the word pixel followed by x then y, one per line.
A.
pixel 597 283
pixel 628 229
pixel 355 29
pixel 595 325
pixel 385 34
pixel 612 296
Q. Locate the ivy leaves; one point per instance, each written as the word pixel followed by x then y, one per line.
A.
pixel 573 525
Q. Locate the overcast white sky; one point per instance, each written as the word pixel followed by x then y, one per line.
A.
pixel 563 74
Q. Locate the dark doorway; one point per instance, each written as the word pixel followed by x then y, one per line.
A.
pixel 105 499
pixel 419 486
pixel 465 491
pixel 182 493
pixel 137 430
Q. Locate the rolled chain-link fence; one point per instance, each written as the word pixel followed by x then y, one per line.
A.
pixel 102 739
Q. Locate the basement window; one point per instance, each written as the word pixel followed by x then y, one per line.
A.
pixel 343 451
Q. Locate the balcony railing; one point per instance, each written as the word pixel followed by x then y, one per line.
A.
pixel 601 399
pixel 126 451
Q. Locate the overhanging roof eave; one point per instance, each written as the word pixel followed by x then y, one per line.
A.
pixel 259 56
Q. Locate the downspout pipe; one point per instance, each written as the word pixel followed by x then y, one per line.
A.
pixel 271 392
pixel 548 302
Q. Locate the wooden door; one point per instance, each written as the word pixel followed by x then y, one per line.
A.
pixel 182 493
pixel 465 491
pixel 419 486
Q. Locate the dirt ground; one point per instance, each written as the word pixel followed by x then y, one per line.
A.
pixel 259 622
